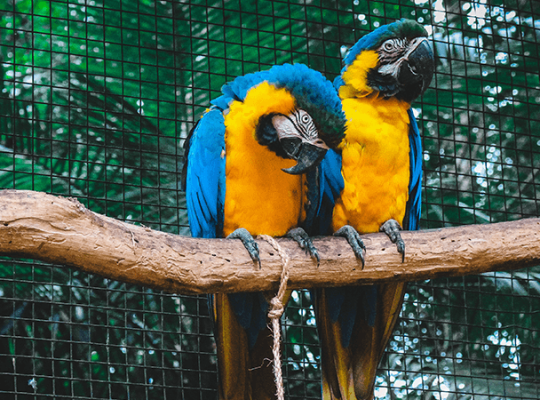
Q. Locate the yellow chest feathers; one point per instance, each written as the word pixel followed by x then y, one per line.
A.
pixel 375 165
pixel 259 195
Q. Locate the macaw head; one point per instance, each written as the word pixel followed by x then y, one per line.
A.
pixel 295 111
pixel 394 60
pixel 293 135
pixel 304 134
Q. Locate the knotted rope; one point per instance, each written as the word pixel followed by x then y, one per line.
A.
pixel 275 313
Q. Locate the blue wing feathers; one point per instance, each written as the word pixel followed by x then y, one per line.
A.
pixel 411 221
pixel 333 180
pixel 331 184
pixel 324 187
pixel 250 310
pixel 241 307
pixel 335 299
pixel 205 183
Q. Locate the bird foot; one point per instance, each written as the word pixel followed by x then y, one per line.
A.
pixel 300 236
pixel 392 228
pixel 353 237
pixel 248 242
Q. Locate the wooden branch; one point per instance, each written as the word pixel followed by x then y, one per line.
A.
pixel 59 230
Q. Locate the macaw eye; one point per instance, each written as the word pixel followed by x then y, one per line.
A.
pixel 389 45
pixel 305 118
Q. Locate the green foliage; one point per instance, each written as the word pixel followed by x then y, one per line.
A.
pixel 96 98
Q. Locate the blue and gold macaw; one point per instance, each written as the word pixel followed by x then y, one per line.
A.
pixel 247 160
pixel 378 190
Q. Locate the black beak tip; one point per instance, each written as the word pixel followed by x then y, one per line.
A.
pixel 308 157
pixel 295 169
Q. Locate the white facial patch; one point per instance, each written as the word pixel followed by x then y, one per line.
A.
pixel 391 49
pixel 298 124
pixel 285 127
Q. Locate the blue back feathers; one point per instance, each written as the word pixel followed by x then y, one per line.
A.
pixel 298 79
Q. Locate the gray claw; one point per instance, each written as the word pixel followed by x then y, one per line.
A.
pixel 353 237
pixel 248 242
pixel 392 228
pixel 401 249
pixel 300 236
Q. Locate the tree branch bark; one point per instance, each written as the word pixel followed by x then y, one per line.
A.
pixel 62 231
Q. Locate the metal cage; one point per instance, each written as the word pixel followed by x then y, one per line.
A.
pixel 96 98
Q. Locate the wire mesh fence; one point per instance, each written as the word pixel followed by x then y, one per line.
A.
pixel 96 98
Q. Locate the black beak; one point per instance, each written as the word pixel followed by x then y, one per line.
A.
pixel 416 73
pixel 307 155
pixel 291 146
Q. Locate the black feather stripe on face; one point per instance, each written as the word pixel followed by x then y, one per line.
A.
pixel 304 124
pixel 331 127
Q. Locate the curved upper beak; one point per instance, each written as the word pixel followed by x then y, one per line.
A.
pixel 418 66
pixel 306 154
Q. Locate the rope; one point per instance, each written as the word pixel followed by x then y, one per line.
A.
pixel 275 313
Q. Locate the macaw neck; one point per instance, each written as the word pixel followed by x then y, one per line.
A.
pixel 348 92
